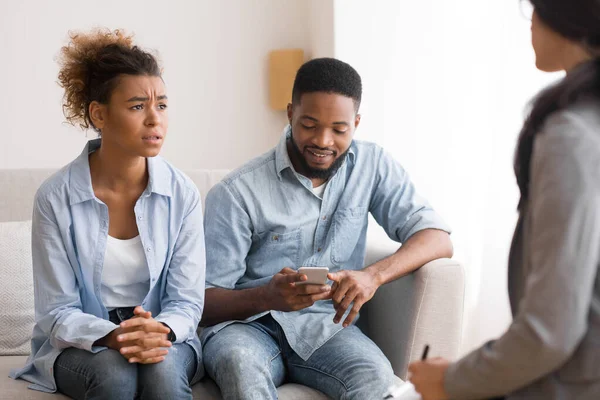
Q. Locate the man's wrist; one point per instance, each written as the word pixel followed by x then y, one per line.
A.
pixel 376 274
pixel 261 299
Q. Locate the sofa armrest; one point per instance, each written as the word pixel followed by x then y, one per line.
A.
pixel 424 307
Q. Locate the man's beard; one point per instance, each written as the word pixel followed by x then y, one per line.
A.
pixel 317 173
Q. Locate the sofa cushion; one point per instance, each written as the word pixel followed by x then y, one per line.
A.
pixel 11 389
pixel 16 288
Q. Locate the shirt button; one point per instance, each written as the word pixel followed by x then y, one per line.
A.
pixel 148 249
pixel 140 217
pixel 275 237
pixel 324 217
pixel 319 249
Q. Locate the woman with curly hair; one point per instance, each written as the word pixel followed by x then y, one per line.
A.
pixel 118 242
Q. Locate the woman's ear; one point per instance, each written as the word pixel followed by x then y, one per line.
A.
pixel 97 114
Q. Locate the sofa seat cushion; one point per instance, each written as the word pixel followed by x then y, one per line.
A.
pixel 17 389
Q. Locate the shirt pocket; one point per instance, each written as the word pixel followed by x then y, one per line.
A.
pixel 272 251
pixel 348 225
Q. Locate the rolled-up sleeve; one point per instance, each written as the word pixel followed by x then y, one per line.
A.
pixel 563 237
pixel 183 300
pixel 397 206
pixel 58 307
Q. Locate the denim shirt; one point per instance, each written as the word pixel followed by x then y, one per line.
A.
pixel 69 234
pixel 264 217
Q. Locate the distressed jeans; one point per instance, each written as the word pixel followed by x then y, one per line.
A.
pixel 249 360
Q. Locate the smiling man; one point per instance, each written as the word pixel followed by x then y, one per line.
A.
pixel 305 203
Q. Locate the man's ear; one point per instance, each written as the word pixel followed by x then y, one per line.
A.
pixel 356 121
pixel 97 114
pixel 290 112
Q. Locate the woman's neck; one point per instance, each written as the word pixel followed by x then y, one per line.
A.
pixel 574 57
pixel 117 171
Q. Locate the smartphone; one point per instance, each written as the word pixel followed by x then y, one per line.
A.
pixel 315 275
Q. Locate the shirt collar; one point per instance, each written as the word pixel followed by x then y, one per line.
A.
pixel 160 177
pixel 81 181
pixel 282 158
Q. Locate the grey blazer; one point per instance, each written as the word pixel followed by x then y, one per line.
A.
pixel 552 348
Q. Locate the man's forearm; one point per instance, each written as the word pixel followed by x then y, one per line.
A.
pixel 222 305
pixel 424 246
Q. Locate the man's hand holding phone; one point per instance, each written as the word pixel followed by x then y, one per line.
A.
pixel 291 290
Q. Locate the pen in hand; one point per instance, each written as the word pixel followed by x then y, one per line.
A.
pixel 399 391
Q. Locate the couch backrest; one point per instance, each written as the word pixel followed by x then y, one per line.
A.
pixel 18 187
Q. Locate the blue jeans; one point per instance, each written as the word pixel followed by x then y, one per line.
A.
pixel 249 361
pixel 80 374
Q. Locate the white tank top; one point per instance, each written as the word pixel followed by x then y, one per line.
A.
pixel 125 275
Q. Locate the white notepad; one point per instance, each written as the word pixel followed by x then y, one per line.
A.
pixel 404 391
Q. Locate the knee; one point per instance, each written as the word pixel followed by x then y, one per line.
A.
pixel 370 381
pixel 113 376
pixel 168 379
pixel 164 388
pixel 233 360
pixel 241 373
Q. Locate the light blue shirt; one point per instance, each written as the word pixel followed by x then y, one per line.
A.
pixel 264 217
pixel 70 229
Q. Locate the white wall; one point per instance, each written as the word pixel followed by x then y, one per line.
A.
pixel 321 31
pixel 445 89
pixel 214 54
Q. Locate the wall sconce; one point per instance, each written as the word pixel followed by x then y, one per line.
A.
pixel 283 65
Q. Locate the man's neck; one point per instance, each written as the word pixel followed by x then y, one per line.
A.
pixel 317 182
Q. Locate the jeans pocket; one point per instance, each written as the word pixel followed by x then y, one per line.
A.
pixel 348 225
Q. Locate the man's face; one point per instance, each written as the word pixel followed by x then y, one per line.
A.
pixel 323 126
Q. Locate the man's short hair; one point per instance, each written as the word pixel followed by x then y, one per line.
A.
pixel 327 75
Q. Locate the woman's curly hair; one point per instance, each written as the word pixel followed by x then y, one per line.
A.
pixel 90 66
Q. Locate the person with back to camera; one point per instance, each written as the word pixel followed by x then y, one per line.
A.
pixel 551 350
pixel 118 242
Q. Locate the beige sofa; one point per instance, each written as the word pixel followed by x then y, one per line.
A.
pixel 425 307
